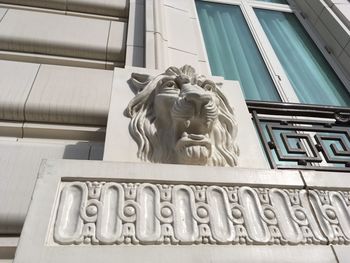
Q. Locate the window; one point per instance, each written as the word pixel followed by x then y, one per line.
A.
pixel 263 45
pixel 232 51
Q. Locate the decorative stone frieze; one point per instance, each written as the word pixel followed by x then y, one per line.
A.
pixel 91 211
pixel 143 213
pixel 332 209
pixel 182 117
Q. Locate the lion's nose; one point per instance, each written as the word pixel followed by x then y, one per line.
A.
pixel 199 100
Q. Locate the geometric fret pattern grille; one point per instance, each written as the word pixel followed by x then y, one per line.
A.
pixel 308 137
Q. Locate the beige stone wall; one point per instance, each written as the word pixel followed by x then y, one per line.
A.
pixel 78 33
pixel 56 75
pixel 342 9
pixel 56 61
pixel 330 18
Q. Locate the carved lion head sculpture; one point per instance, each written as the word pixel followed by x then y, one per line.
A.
pixel 182 117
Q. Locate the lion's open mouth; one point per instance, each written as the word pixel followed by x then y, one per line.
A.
pixel 193 148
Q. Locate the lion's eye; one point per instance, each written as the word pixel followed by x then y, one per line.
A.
pixel 168 87
pixel 171 84
pixel 208 87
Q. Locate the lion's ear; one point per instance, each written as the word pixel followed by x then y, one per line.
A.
pixel 140 81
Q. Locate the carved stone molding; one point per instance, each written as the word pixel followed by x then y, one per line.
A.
pixel 133 213
pixel 332 209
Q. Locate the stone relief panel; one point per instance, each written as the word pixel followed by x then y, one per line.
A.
pixel 98 213
pixel 182 117
pixel 333 212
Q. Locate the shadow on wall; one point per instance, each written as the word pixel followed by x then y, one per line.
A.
pixel 84 151
pixel 19 166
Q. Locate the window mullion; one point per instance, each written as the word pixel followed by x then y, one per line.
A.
pixel 279 77
pixel 270 6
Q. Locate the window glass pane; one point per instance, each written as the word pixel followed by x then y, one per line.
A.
pixel 308 71
pixel 232 51
pixel 275 1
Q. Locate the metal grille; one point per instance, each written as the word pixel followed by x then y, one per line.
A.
pixel 299 136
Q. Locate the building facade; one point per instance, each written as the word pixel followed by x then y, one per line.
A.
pixel 68 69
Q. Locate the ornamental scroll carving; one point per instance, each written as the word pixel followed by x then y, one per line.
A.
pixel 182 117
pixel 100 213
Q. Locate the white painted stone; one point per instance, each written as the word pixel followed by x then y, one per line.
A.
pixel 149 17
pixel 52 34
pixel 307 10
pixel 344 59
pixel 177 58
pixel 199 41
pixel 155 18
pixel 183 5
pixel 58 180
pixel 14 90
pixel 331 209
pixel 205 253
pixel 19 162
pixel 329 2
pixel 70 95
pixel 150 57
pixel 335 26
pixel 316 5
pixel 347 48
pixel 2 12
pixel 118 123
pixel 156 51
pixel 117 41
pixel 342 253
pixel 135 56
pixel 63 131
pixel 152 214
pixel 117 8
pixel 186 254
pixel 103 7
pixel 136 26
pixel 332 43
pixel 204 68
pixel 7 139
pixel 162 32
pixel 194 174
pixel 96 151
pixel 54 4
pixel 8 247
pixel 57 60
pixel 320 179
pixel 11 128
pixel 118 137
pixel 182 117
pixel 156 39
pixel 182 27
pixel 342 9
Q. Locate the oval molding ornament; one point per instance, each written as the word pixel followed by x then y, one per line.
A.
pixel 116 213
